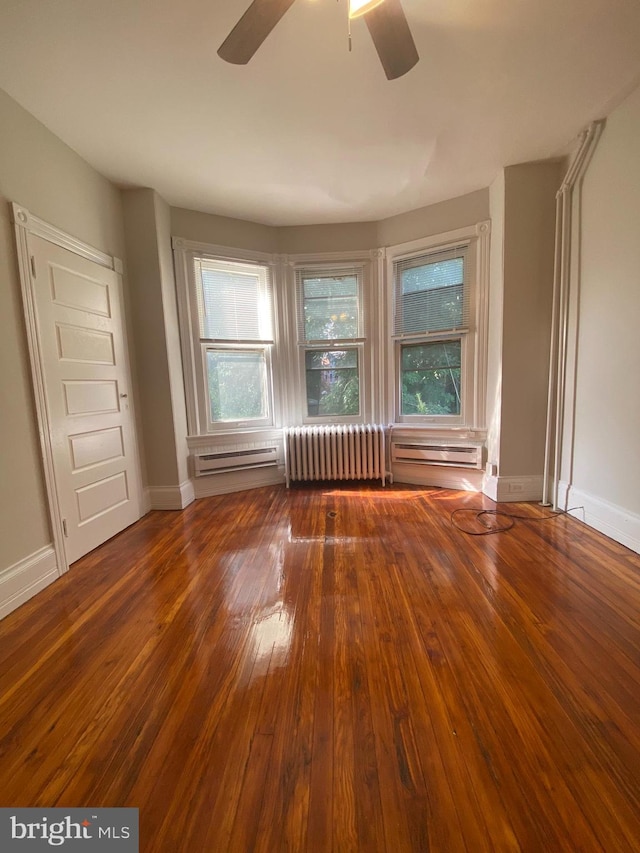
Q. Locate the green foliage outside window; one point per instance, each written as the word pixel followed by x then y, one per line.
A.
pixel 237 384
pixel 330 312
pixel 332 382
pixel 430 377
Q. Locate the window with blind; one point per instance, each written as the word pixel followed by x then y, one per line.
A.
pixel 431 325
pixel 330 326
pixel 432 293
pixel 235 320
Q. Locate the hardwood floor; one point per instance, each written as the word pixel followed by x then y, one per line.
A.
pixel 335 669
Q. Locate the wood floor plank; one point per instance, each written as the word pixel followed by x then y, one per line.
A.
pixel 336 668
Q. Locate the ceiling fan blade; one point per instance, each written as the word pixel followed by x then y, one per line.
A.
pixel 392 38
pixel 252 29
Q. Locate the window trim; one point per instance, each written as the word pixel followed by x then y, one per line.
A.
pixel 193 348
pixel 474 341
pixel 367 288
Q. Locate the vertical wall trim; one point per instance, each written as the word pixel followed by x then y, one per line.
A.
pixel 483 276
pixel 560 342
pixel 379 413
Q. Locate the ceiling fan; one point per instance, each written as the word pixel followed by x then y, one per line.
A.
pixel 385 20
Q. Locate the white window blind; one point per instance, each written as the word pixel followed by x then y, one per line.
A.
pixel 329 305
pixel 234 301
pixel 432 293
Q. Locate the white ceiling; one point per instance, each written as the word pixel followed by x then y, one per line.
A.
pixel 308 132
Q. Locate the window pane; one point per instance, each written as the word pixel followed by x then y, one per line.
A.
pixel 333 387
pixel 433 276
pixel 237 384
pixel 431 296
pixel 330 307
pixel 430 378
pixel 233 301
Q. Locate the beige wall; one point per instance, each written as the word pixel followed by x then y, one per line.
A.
pixel 172 336
pixel 350 236
pixel 414 225
pixel 520 306
pixel 41 173
pixel 222 231
pixel 529 239
pixel 434 219
pixel 606 458
pixel 157 346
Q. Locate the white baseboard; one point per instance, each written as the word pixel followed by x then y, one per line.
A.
pixel 187 493
pixel 490 486
pixel 145 502
pixel 527 487
pixel 563 496
pixel 171 497
pixel 614 521
pixel 465 479
pixel 20 582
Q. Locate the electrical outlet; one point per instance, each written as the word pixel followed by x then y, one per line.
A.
pixel 516 487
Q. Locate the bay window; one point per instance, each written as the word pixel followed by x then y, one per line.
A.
pixel 271 341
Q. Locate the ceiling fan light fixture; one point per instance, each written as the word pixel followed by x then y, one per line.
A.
pixel 361 7
pixel 385 20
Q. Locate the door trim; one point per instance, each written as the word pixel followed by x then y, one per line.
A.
pixel 25 223
pixel 39 228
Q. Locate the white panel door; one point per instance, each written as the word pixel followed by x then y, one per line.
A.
pixel 87 386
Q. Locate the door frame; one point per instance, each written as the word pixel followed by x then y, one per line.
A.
pixel 26 223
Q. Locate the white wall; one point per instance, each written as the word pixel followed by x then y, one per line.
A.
pixel 602 469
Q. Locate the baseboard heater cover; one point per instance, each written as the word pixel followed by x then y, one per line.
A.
pixel 454 455
pixel 234 460
pixel 335 452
